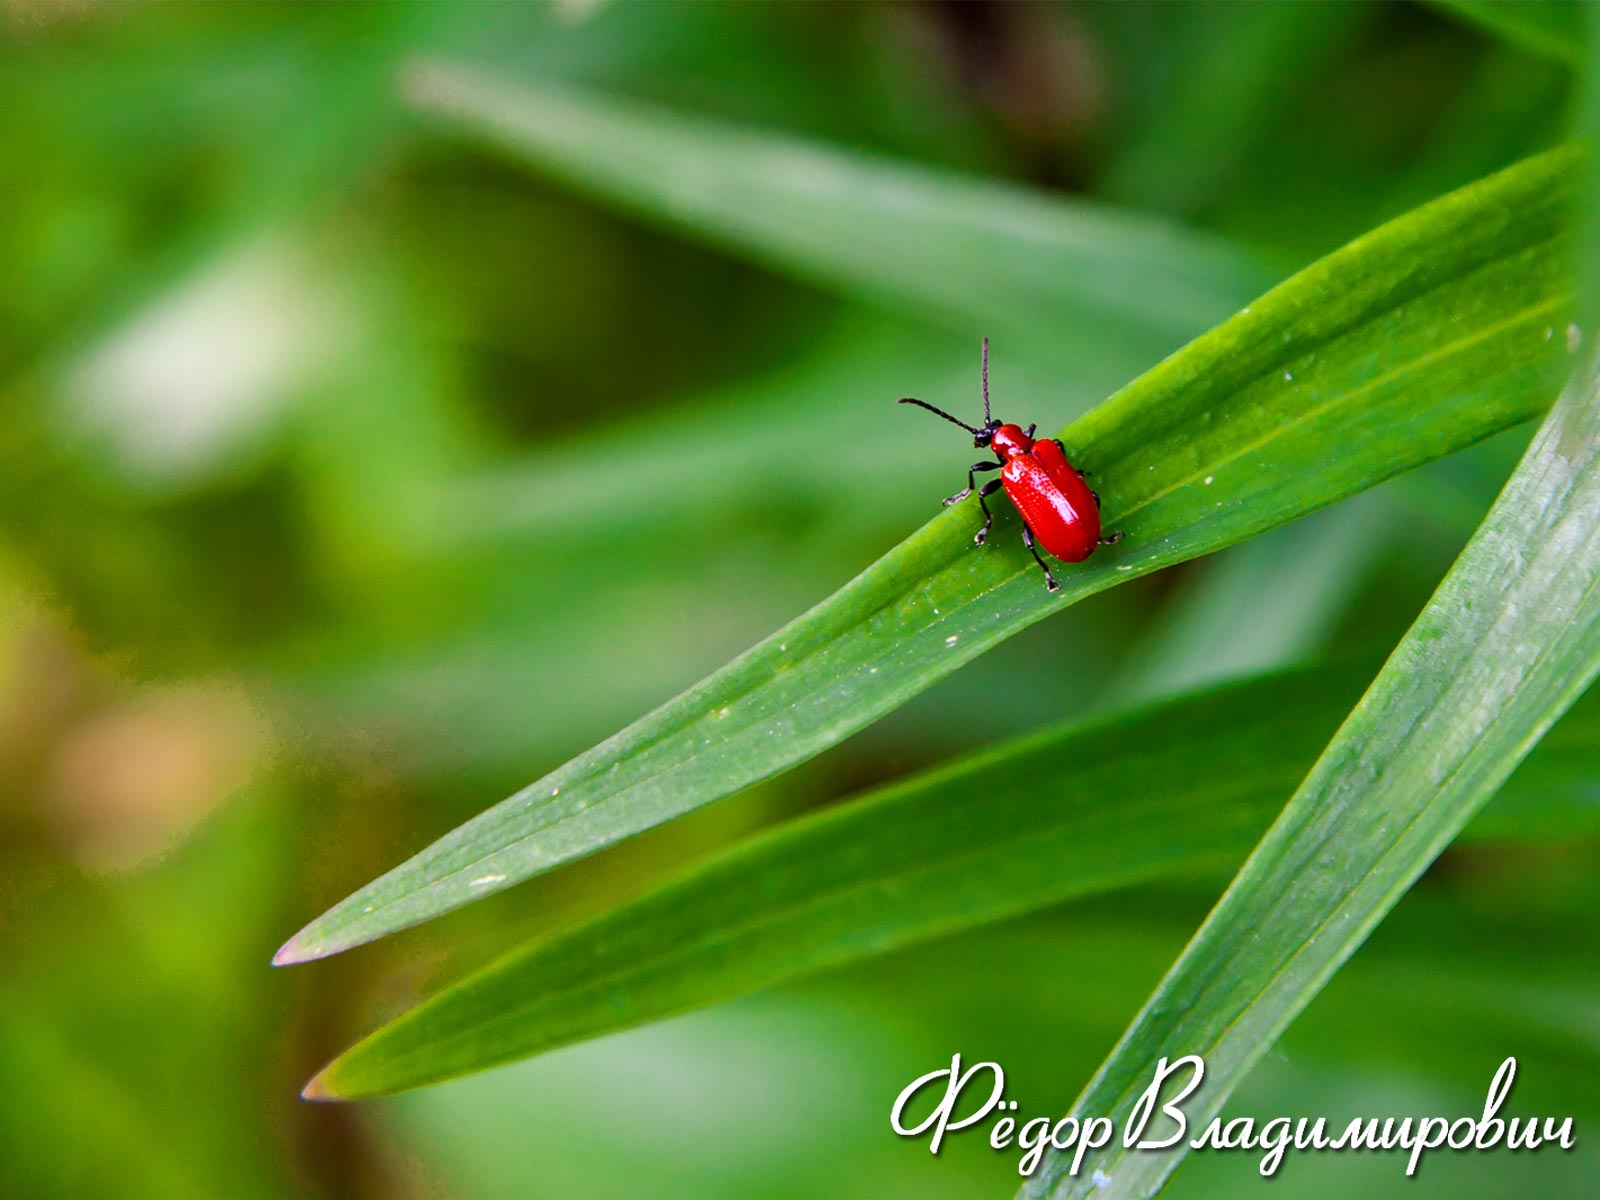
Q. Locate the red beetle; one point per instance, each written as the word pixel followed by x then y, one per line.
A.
pixel 1056 504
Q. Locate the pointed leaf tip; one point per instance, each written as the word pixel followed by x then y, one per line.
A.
pixel 295 950
pixel 317 1090
pixel 334 932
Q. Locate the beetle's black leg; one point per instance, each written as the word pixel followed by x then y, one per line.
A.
pixel 1049 579
pixel 1029 430
pixel 971 482
pixel 988 489
pixel 1111 539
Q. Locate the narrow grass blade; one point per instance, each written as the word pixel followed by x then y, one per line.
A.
pixel 1162 792
pixel 967 251
pixel 1509 641
pixel 1420 338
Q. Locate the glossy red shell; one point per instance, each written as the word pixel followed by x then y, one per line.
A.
pixel 1052 497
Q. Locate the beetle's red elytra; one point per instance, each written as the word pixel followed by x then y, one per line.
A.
pixel 1057 507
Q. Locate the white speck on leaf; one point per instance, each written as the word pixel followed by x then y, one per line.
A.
pixel 1209 478
pixel 1100 1179
pixel 483 880
pixel 951 640
pixel 1288 378
pixel 1574 339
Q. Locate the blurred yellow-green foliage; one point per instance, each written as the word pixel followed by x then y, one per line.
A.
pixel 313 545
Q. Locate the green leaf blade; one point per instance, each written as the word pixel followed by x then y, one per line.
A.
pixel 1509 641
pixel 1425 336
pixel 921 859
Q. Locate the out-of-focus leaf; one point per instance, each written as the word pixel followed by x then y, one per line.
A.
pixel 1588 124
pixel 132 1157
pixel 1240 64
pixel 1071 281
pixel 1551 28
pixel 1255 607
pixel 1509 641
pixel 1511 104
pixel 1420 338
pixel 1163 792
pixel 111 1042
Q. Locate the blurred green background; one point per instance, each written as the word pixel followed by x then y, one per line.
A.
pixel 353 474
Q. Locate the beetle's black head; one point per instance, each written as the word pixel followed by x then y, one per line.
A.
pixel 983 438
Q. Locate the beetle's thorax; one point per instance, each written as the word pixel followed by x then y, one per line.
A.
pixel 1010 441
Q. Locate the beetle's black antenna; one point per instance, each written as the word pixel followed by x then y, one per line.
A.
pixel 939 412
pixel 986 381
